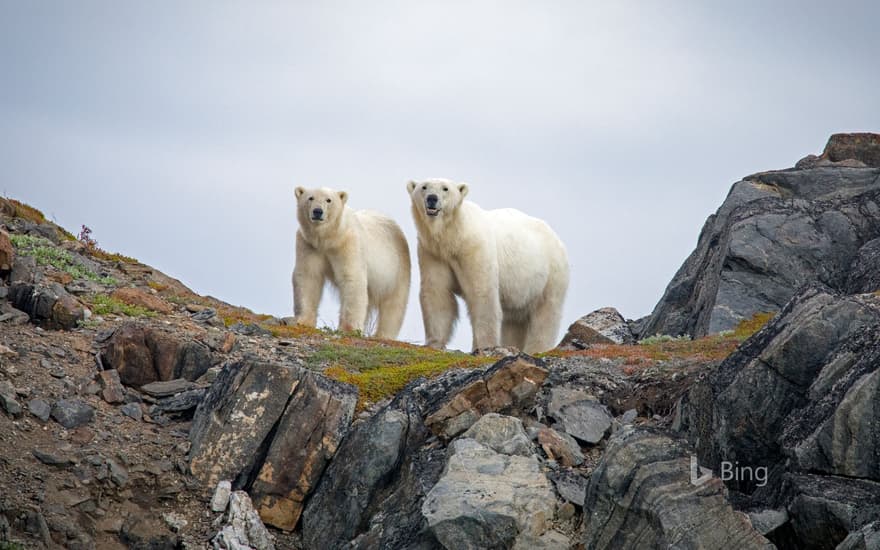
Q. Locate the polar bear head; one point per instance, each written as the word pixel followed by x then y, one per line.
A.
pixel 319 207
pixel 436 198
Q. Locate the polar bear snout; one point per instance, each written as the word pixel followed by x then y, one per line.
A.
pixel 317 214
pixel 432 206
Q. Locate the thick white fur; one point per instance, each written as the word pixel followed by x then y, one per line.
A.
pixel 363 254
pixel 511 269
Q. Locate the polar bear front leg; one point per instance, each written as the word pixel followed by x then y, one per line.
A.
pixel 351 279
pixel 308 282
pixel 437 298
pixel 479 284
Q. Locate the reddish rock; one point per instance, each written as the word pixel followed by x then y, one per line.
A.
pixel 7 253
pixel 112 390
pixel 509 384
pixel 142 354
pixel 560 447
pixel 864 147
pixel 138 297
pixel 308 434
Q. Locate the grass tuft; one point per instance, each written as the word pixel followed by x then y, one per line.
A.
pixel 102 304
pixel 380 369
pixel 46 253
pixel 25 211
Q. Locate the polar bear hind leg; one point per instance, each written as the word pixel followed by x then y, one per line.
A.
pixel 513 333
pixel 545 318
pixel 390 313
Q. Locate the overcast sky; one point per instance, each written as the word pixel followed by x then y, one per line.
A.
pixel 177 131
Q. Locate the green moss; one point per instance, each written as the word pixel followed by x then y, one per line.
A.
pixel 102 304
pixel 747 327
pixel 6 545
pixel 663 338
pixel 46 253
pixel 381 369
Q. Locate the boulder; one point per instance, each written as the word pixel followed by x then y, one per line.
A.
pixel 803 389
pixel 799 399
pixel 7 254
pixel 775 232
pixel 143 354
pixel 372 492
pixel 866 538
pixel 579 414
pixel 641 496
pixel 47 306
pixel 502 434
pixel 40 408
pixel 8 402
pixel 864 147
pixel 111 388
pixel 72 413
pixel 509 385
pixel 243 528
pixel 560 447
pixel 824 510
pixel 307 436
pixel 603 326
pixel 486 499
pixel 273 428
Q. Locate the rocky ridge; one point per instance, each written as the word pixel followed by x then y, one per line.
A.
pixel 138 414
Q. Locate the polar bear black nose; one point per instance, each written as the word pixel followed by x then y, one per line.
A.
pixel 431 200
pixel 317 213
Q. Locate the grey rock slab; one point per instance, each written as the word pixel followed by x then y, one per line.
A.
pixel 166 388
pixel 486 499
pixel 132 410
pixel 503 434
pixel 641 496
pixel 72 413
pixel 220 500
pixel 40 408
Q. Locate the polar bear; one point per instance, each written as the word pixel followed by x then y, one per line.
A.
pixel 362 253
pixel 511 269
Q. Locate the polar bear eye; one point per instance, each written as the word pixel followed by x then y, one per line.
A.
pixel 328 200
pixel 311 198
pixel 424 188
pixel 445 189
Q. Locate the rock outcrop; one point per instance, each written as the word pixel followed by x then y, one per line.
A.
pixel 272 429
pixel 800 400
pixel 642 495
pixel 603 326
pixel 143 354
pixel 372 493
pixel 775 232
pixel 486 499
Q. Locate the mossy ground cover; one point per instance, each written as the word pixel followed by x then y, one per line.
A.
pixel 47 254
pixel 380 369
pixel 102 304
pixel 660 348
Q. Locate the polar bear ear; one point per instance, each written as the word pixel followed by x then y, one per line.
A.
pixel 299 192
pixel 463 189
pixel 411 185
pixel 343 196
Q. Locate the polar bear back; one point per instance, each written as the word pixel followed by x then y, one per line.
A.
pixel 529 254
pixel 385 251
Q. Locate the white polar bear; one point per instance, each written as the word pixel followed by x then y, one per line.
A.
pixel 511 269
pixel 362 253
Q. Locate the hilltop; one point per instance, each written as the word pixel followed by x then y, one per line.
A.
pixel 127 400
